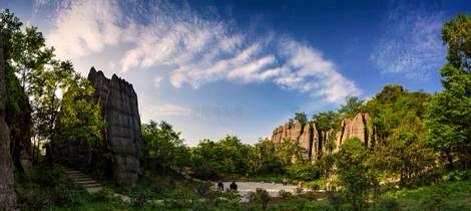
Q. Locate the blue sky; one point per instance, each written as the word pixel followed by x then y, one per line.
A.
pixel 213 67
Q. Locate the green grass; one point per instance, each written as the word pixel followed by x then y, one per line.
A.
pixel 442 196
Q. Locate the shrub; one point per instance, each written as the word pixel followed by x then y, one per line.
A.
pixel 315 187
pixel 141 197
pixel 46 188
pixel 284 194
pixel 335 199
pixel 303 171
pixel 262 197
pixel 457 175
pixel 388 204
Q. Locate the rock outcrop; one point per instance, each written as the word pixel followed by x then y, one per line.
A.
pixel 123 125
pixel 20 124
pixel 7 191
pixel 314 142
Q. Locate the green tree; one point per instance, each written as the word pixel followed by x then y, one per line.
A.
pixel 48 90
pixel 449 114
pixel 390 93
pixel 352 106
pixel 79 120
pixel 289 151
pixel 163 146
pixel 227 156
pixel 405 154
pixel 456 34
pixel 326 167
pixel 29 55
pixel 264 159
pixel 326 120
pixel 401 148
pixel 353 172
pixel 300 117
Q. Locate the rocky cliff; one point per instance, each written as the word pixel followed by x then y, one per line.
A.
pixel 122 132
pixel 313 142
pixel 7 190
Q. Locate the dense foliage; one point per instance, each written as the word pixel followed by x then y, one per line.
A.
pixel 353 172
pixel 50 86
pixel 163 147
pixel 450 110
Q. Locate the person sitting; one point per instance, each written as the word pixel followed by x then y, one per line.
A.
pixel 233 186
pixel 220 185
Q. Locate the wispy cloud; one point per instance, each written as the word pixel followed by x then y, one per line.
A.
pixel 201 50
pixel 412 44
pixel 84 27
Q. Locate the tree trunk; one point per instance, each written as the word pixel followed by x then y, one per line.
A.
pixel 7 191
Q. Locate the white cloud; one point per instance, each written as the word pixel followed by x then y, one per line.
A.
pixel 202 50
pixel 307 71
pixel 412 44
pixel 84 27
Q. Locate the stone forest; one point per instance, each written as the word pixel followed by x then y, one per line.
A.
pixel 70 142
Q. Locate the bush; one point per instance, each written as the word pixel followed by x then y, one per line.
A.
pixel 179 198
pixel 262 197
pixel 141 197
pixel 284 194
pixel 46 188
pixel 388 204
pixel 335 199
pixel 315 187
pixel 303 171
pixel 457 175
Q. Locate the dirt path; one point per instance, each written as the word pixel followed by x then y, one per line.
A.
pixel 273 189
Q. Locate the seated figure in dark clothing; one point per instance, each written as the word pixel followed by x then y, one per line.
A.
pixel 233 186
pixel 220 185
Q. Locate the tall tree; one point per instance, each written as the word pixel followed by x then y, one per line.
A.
pixel 352 106
pixel 163 145
pixel 300 117
pixel 326 120
pixel 449 115
pixel 264 159
pixel 7 191
pixel 401 150
pixel 48 90
pixel 353 172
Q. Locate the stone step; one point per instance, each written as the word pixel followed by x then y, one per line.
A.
pixel 94 190
pixel 82 179
pixel 79 176
pixel 75 173
pixel 91 186
pixel 86 182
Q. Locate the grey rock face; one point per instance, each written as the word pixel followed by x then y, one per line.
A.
pixel 7 191
pixel 314 142
pixel 123 125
